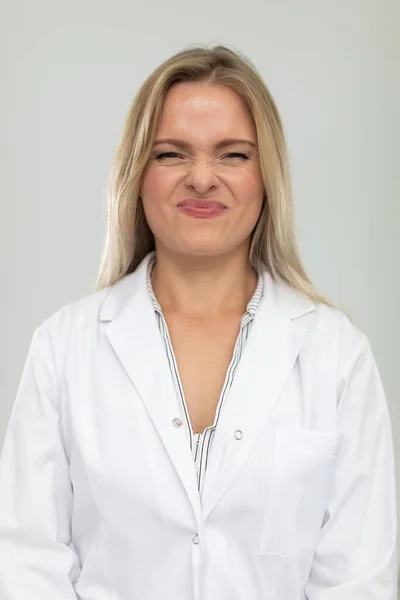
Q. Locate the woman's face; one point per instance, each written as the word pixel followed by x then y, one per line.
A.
pixel 201 162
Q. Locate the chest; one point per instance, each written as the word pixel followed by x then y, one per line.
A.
pixel 203 353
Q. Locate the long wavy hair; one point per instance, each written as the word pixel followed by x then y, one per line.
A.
pixel 129 238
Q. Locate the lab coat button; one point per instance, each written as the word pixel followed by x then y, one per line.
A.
pixel 196 539
pixel 238 434
pixel 177 422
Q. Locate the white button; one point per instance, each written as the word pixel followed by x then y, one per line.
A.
pixel 177 422
pixel 238 434
pixel 196 539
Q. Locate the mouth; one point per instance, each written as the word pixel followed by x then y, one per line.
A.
pixel 201 209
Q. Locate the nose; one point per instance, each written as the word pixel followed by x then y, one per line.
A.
pixel 201 176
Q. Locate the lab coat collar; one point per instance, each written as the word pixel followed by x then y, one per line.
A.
pixel 270 353
pixel 284 299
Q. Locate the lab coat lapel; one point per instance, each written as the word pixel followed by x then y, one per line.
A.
pixel 268 357
pixel 134 335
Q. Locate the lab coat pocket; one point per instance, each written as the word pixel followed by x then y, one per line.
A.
pixel 303 467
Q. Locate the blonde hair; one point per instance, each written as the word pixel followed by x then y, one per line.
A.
pixel 129 237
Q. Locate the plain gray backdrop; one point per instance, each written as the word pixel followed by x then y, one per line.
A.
pixel 69 72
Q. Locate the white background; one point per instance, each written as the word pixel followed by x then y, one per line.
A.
pixel 69 72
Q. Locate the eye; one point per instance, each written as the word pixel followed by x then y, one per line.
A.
pixel 241 155
pixel 163 155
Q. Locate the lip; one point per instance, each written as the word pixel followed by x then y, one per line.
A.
pixel 201 209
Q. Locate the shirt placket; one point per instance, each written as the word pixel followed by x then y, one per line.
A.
pixel 200 443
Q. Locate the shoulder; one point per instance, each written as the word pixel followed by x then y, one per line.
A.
pixel 330 333
pixel 336 324
pixel 84 309
pixel 86 312
pixel 325 324
pixel 336 336
pixel 74 320
pixel 81 319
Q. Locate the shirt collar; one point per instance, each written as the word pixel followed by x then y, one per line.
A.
pixel 250 308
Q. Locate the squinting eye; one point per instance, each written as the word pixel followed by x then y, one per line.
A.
pixel 238 155
pixel 166 155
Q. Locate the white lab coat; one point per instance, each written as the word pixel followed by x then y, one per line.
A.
pixel 98 490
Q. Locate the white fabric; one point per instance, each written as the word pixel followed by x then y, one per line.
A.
pixel 98 488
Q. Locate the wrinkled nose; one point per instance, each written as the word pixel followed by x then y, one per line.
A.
pixel 201 177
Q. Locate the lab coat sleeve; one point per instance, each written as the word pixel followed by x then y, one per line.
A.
pixel 356 555
pixel 37 561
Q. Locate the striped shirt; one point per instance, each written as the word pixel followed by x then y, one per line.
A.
pixel 200 443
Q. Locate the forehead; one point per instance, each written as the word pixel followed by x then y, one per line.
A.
pixel 195 107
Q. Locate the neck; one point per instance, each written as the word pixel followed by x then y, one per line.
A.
pixel 203 286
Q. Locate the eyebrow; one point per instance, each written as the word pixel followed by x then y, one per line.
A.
pixel 221 144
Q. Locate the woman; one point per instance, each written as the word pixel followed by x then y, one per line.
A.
pixel 204 425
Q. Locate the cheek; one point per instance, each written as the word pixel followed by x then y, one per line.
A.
pixel 249 184
pixel 248 215
pixel 249 193
pixel 157 191
pixel 157 184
